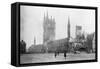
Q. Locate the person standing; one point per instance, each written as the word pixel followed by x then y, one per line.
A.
pixel 65 54
pixel 55 54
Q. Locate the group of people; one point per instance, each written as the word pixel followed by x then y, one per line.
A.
pixel 57 53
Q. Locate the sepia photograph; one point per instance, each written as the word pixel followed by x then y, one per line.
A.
pixel 55 34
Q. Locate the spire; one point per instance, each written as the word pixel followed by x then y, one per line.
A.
pixel 68 21
pixel 47 15
pixel 51 17
pixel 68 27
pixel 34 41
pixel 44 16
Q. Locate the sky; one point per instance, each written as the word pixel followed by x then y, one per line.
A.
pixel 32 22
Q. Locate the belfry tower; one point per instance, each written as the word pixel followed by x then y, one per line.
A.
pixel 48 29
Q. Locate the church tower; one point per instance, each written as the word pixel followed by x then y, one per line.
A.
pixel 48 29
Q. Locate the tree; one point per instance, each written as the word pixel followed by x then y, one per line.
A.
pixel 22 47
pixel 89 42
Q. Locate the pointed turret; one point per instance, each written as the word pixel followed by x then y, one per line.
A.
pixel 44 16
pixel 47 15
pixel 34 41
pixel 68 27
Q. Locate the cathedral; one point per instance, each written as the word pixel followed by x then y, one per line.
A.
pixel 49 42
pixel 48 29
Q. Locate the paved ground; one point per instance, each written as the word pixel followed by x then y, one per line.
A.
pixel 49 57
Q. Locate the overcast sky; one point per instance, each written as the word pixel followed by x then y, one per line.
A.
pixel 32 22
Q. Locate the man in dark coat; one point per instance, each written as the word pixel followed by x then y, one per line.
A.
pixel 65 54
pixel 55 54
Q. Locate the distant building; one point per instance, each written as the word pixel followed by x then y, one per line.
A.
pixel 93 43
pixel 78 32
pixel 49 42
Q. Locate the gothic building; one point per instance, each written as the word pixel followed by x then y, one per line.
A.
pixel 48 29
